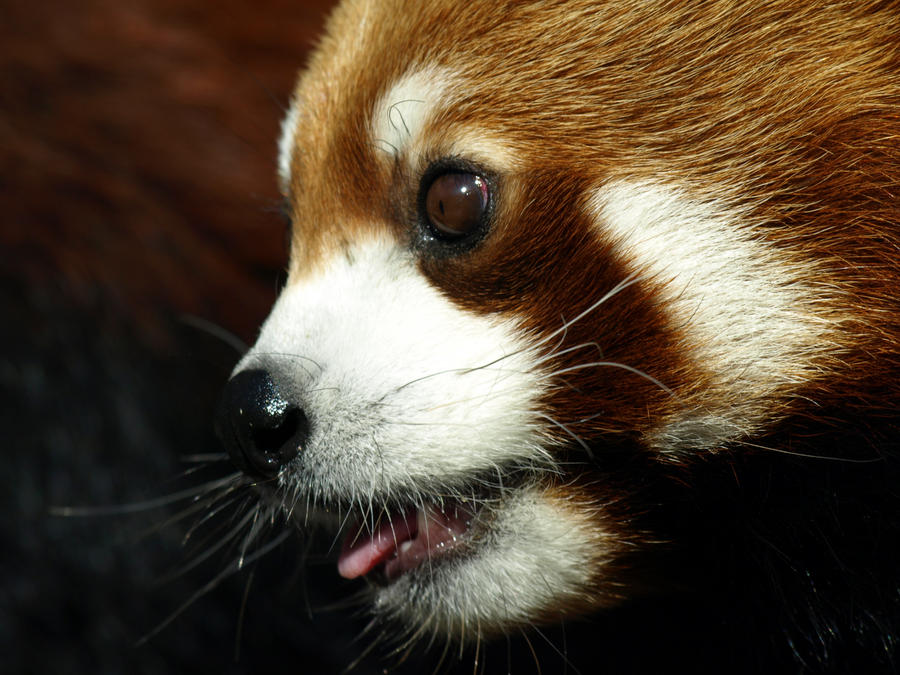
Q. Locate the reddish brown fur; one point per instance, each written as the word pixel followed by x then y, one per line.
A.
pixel 138 153
pixel 783 114
pixel 789 112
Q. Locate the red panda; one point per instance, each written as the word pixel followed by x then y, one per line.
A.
pixel 591 302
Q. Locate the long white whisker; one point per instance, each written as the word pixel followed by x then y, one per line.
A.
pixel 146 505
pixel 212 584
pixel 612 364
pixel 618 288
pixel 217 331
pixel 199 559
pixel 571 433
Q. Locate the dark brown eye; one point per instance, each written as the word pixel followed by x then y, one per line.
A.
pixel 455 204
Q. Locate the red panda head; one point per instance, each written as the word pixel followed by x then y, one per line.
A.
pixel 547 255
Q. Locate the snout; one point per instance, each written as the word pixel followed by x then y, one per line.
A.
pixel 261 430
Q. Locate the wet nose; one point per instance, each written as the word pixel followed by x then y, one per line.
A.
pixel 260 429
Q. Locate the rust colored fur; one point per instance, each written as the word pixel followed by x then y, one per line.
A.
pixel 733 103
pixel 771 493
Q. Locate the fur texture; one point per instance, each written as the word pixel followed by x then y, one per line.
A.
pixel 668 360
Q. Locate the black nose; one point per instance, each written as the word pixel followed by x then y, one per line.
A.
pixel 260 429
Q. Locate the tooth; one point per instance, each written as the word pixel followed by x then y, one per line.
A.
pixel 405 546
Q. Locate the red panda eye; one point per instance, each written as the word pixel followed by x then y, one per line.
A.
pixel 455 204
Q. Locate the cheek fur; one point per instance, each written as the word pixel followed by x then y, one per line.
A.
pixel 402 389
pixel 607 339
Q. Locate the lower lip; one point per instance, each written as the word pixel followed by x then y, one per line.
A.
pixel 439 532
pixel 405 542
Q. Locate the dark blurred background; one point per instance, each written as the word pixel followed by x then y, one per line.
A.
pixel 139 215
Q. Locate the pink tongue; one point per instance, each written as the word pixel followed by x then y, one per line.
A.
pixel 363 552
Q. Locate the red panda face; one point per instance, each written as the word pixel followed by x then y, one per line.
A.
pixel 535 243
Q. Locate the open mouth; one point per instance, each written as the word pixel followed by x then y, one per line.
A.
pixel 405 541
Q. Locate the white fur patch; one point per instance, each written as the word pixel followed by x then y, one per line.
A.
pixel 482 147
pixel 286 145
pixel 403 112
pixel 752 323
pixel 404 391
pixel 538 555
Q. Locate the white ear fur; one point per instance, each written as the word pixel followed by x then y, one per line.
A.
pixel 403 111
pixel 286 145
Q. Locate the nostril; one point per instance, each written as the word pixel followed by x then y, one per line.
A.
pixel 275 444
pixel 261 430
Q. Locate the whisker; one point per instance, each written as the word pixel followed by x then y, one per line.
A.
pixel 613 364
pixel 448 643
pixel 256 525
pixel 242 613
pixel 390 150
pixel 556 353
pixel 194 492
pixel 216 331
pixel 294 357
pixel 202 504
pixel 201 458
pixel 562 654
pixel 221 542
pixel 618 288
pixel 537 661
pixel 354 601
pixel 560 333
pixel 212 513
pixel 340 532
pixel 394 107
pixel 365 652
pixel 806 455
pixel 211 585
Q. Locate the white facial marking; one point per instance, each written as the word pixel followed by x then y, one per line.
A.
pixel 480 146
pixel 404 391
pixel 405 109
pixel 539 554
pixel 286 145
pixel 752 324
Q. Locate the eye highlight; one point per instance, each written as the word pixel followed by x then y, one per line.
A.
pixel 456 203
